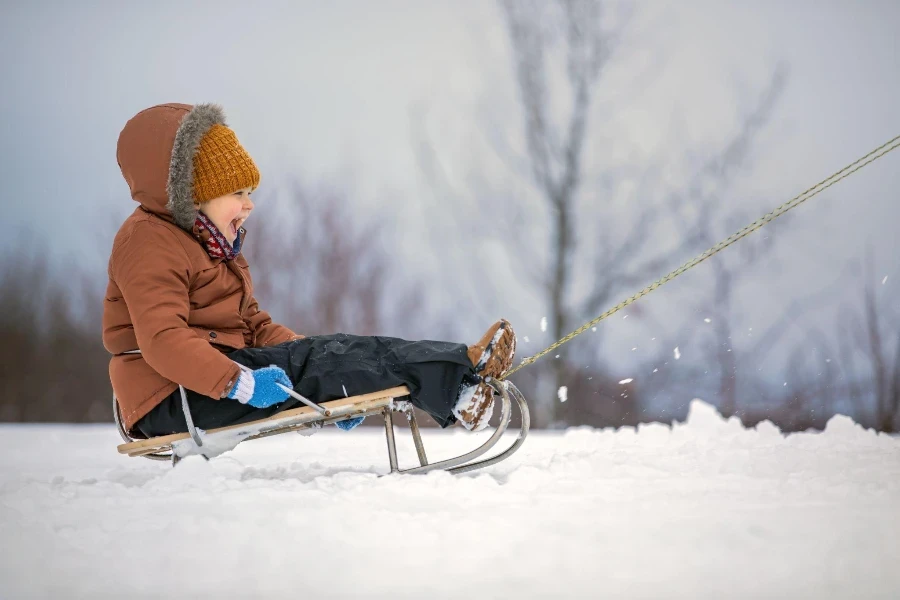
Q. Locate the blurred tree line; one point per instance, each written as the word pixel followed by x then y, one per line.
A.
pixel 329 271
pixel 314 267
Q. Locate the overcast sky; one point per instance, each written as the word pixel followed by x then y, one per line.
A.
pixel 342 91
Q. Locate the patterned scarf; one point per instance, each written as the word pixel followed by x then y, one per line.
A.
pixel 217 245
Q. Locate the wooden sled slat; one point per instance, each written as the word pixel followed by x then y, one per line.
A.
pixel 293 418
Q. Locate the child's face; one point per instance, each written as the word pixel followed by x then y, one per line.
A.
pixel 229 212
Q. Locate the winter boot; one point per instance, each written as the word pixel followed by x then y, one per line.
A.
pixel 492 356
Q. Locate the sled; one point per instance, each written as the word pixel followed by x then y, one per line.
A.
pixel 311 417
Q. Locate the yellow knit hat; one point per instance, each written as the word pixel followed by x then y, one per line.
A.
pixel 221 165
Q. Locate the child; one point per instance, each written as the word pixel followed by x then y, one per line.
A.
pixel 180 292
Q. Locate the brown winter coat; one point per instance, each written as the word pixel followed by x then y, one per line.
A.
pixel 166 296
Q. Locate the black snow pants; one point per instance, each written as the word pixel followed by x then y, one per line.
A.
pixel 328 367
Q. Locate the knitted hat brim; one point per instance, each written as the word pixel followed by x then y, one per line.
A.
pixel 179 186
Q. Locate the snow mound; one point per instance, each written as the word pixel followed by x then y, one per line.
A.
pixel 700 509
pixel 848 429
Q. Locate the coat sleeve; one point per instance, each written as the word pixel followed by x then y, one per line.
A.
pixel 152 271
pixel 267 332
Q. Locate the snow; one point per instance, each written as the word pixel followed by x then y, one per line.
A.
pixel 214 445
pixel 562 393
pixel 884 281
pixel 624 381
pixel 543 323
pixel 706 509
pixel 677 353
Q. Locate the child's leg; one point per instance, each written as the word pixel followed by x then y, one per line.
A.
pixel 328 367
pixel 207 413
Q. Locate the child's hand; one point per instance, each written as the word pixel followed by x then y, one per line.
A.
pixel 349 423
pixel 258 388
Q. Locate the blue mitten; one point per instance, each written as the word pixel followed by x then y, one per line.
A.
pixel 349 423
pixel 258 388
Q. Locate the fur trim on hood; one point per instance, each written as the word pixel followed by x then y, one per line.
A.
pixel 181 168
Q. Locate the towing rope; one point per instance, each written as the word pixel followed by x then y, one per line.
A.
pixel 795 201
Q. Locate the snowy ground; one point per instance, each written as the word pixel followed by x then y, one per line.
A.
pixel 706 510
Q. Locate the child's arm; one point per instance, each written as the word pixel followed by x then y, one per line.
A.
pixel 267 332
pixel 154 280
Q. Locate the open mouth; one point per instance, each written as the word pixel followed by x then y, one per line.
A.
pixel 234 226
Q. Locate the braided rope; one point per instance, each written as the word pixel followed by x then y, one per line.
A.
pixel 792 203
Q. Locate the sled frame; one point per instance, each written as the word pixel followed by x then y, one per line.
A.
pixel 312 416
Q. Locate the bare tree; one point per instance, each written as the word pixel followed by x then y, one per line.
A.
pixel 564 213
pixel 554 154
pixel 556 157
pixel 320 268
pixel 702 214
pixel 892 401
pixel 885 370
pixel 855 369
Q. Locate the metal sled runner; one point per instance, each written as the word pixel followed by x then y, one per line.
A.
pixel 312 416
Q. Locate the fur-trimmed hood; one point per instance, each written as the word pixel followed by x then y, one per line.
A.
pixel 156 151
